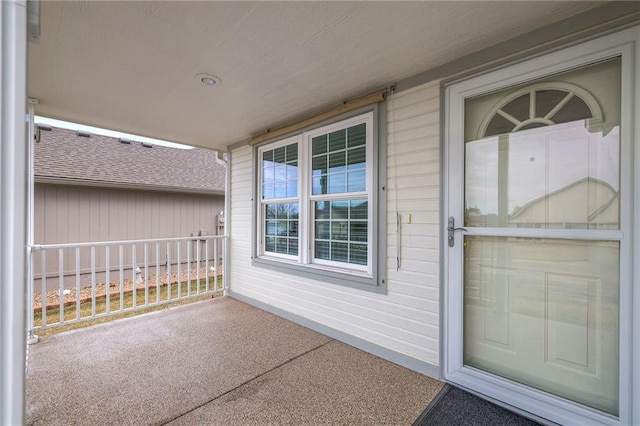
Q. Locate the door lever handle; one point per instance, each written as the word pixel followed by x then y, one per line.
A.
pixel 451 229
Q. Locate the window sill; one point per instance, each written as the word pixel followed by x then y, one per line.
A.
pixel 347 278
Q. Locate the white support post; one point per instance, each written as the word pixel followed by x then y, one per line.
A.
pixel 31 337
pixel 226 246
pixel 13 209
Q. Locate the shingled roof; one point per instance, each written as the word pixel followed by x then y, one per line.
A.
pixel 62 156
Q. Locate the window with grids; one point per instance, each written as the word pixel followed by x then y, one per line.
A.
pixel 316 196
pixel 280 199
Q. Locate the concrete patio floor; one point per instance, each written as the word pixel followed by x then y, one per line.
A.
pixel 216 362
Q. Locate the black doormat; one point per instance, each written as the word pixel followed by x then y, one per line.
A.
pixel 454 406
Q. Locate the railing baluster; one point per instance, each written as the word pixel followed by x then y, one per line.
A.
pixel 215 265
pixel 43 285
pixel 168 270
pixel 157 272
pixel 198 266
pixel 78 297
pixel 93 281
pixel 61 283
pixel 121 255
pixel 206 265
pixel 179 273
pixel 134 272
pixel 146 274
pixel 189 268
pixel 225 279
pixel 107 284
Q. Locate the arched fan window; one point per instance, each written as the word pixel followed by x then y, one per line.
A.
pixel 538 105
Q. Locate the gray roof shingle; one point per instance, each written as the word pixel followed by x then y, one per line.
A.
pixel 62 155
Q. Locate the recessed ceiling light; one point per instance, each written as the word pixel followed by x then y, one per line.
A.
pixel 209 79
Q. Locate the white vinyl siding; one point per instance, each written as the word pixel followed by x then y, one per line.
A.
pixel 406 318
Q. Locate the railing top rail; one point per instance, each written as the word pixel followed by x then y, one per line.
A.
pixel 123 242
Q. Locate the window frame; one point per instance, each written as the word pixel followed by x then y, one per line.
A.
pixel 370 277
pixel 311 199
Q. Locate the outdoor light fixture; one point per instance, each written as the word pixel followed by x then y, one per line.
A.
pixel 209 79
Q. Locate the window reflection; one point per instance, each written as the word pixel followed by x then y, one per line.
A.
pixel 561 176
pixel 280 172
pixel 341 231
pixel 339 161
pixel 281 228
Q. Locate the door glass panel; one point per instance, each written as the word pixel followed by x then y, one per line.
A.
pixel 563 176
pixel 544 313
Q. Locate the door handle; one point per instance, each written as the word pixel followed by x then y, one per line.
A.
pixel 451 230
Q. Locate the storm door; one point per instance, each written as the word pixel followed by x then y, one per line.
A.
pixel 534 238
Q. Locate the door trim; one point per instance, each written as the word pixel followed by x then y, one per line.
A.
pixel 537 402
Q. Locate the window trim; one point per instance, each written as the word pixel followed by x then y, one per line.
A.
pixel 374 279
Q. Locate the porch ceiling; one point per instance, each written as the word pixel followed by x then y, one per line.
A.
pixel 131 66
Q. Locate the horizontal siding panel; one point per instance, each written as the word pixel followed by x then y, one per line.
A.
pixel 241 155
pixel 402 194
pixel 421 95
pixel 409 205
pixel 431 168
pixel 417 180
pixel 421 241
pixel 413 111
pixel 417 254
pixel 421 120
pixel 242 194
pixel 412 283
pixel 429 306
pixel 416 266
pixel 417 216
pixel 426 155
pixel 428 134
pixel 411 145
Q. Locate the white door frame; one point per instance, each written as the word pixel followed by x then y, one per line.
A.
pixel 537 402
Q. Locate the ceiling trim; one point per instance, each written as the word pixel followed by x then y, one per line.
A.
pixel 346 106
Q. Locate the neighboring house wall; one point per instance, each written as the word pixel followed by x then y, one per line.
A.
pixel 406 319
pixel 70 214
pixel 98 189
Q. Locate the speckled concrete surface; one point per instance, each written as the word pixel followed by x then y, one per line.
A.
pixel 334 384
pixel 214 362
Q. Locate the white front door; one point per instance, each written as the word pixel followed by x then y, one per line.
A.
pixel 538 178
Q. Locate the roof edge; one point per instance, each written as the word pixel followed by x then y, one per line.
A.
pixel 51 180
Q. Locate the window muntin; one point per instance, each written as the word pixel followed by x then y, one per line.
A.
pixel 333 182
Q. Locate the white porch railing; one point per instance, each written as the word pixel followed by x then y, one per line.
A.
pixel 82 281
